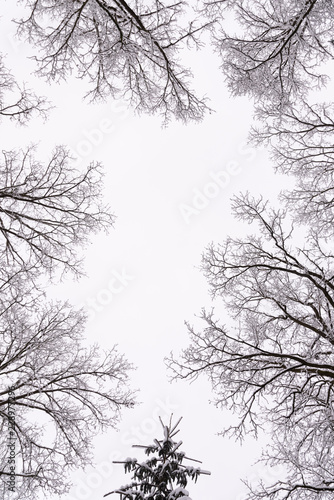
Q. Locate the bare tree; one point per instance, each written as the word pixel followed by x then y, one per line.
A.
pixel 275 367
pixel 48 210
pixel 308 461
pixel 301 144
pixel 277 49
pixel 17 102
pixel 124 50
pixel 55 394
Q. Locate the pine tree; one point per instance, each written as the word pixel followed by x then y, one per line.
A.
pixel 163 476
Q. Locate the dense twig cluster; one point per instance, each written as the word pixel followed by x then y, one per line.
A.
pixel 277 49
pixel 122 50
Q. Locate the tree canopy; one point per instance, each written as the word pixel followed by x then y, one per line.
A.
pixel 48 209
pixel 122 49
pixel 277 48
pixel 300 142
pixel 275 366
pixel 57 393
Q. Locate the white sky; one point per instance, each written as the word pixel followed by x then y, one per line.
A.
pixel 151 175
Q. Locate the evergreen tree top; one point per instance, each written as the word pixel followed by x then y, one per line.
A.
pixel 163 476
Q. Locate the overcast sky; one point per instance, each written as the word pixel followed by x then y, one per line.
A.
pixel 170 190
